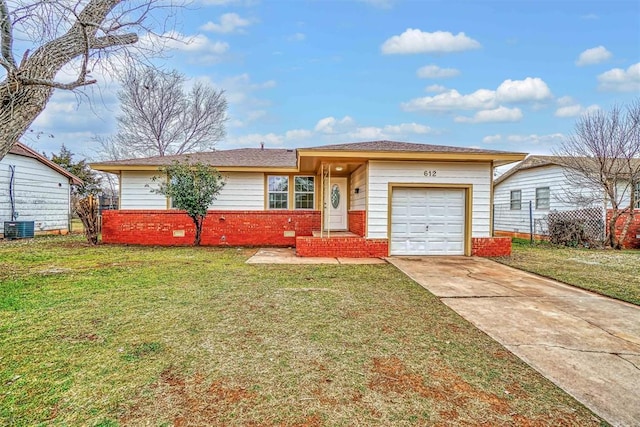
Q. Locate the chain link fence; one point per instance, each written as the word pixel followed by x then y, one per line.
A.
pixel 583 226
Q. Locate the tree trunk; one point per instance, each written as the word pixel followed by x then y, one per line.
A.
pixel 27 87
pixel 18 109
pixel 625 229
pixel 612 241
pixel 198 220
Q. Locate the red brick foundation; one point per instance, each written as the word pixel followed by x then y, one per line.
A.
pixel 358 222
pixel 220 228
pixel 491 246
pixel 527 236
pixel 630 240
pixel 344 247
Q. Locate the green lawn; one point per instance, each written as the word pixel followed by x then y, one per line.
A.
pixel 115 335
pixel 607 272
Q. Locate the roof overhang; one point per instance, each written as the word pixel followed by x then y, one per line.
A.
pixel 319 156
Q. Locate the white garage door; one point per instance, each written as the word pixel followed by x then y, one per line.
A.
pixel 427 221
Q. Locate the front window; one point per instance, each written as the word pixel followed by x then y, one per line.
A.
pixel 516 200
pixel 278 192
pixel 304 192
pixel 542 198
pixel 637 195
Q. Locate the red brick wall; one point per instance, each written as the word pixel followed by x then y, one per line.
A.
pixel 630 241
pixel 345 247
pixel 491 246
pixel 232 228
pixel 358 222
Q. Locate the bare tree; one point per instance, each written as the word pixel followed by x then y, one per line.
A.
pixel 78 33
pixel 159 117
pixel 602 157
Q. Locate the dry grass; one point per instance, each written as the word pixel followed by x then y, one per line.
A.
pixel 113 335
pixel 607 272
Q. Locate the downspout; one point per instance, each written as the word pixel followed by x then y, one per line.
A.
pixel 329 208
pixel 321 200
pixel 12 198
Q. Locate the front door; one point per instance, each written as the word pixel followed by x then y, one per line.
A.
pixel 335 204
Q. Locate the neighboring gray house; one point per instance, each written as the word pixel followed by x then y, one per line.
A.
pixel 33 188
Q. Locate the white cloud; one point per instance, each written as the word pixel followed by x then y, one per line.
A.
pixel 590 16
pixel 595 55
pixel 297 37
pixel 332 125
pixel 510 91
pixel 568 107
pixel 174 40
pixel 453 100
pixel 371 133
pixel 297 134
pixel 435 72
pixel 417 41
pixel 229 23
pixel 497 115
pixel 619 80
pixel 255 139
pixel 435 88
pixel 490 139
pixel 549 139
pixel 407 128
pixel 529 89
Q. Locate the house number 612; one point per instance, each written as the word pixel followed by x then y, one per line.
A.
pixel 429 173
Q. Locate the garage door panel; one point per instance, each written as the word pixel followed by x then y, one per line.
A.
pixel 427 221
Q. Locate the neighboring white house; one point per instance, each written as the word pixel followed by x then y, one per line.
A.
pixel 539 181
pixel 32 188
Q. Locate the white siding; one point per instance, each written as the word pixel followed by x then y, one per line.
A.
pixel 359 181
pixel 135 191
pixel 41 194
pixel 242 191
pixel 527 181
pixel 382 173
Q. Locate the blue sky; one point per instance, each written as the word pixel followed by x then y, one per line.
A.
pixel 498 75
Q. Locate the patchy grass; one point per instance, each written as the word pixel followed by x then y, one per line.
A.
pixel 115 335
pixel 607 272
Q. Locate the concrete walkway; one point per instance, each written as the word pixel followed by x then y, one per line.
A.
pixel 288 256
pixel 586 344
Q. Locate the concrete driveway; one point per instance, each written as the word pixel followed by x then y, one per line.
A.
pixel 587 344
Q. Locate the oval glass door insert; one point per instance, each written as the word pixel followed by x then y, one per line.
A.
pixel 335 196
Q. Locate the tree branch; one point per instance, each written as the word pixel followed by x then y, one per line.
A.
pixel 6 38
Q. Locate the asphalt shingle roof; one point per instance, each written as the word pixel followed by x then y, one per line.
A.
pixel 242 157
pixel 391 146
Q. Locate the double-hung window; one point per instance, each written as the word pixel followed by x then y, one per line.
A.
pixel 278 192
pixel 304 192
pixel 542 198
pixel 637 195
pixel 516 200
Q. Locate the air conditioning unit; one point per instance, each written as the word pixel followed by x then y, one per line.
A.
pixel 18 229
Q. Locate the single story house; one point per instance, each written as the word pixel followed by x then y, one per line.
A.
pixel 33 188
pixel 543 182
pixel 375 198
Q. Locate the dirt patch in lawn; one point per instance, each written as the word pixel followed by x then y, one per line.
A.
pixel 391 375
pixel 193 400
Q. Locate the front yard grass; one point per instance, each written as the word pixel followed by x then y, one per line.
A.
pixel 607 272
pixel 116 335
